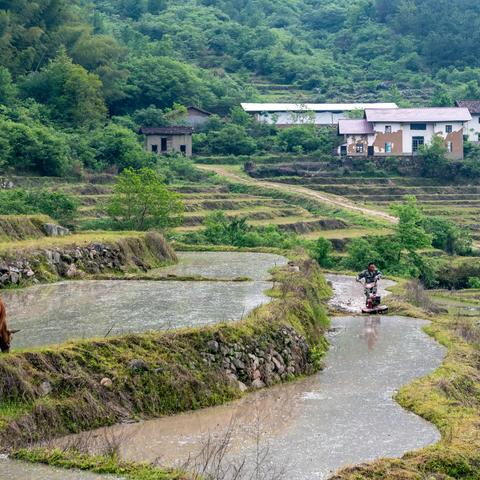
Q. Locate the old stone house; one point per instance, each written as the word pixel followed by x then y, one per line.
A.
pixel 402 131
pixel 319 114
pixel 472 128
pixel 196 117
pixel 164 140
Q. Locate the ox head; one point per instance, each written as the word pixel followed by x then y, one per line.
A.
pixel 6 340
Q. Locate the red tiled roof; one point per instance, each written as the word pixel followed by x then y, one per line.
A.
pixel 472 105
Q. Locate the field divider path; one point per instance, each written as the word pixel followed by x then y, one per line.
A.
pixel 329 199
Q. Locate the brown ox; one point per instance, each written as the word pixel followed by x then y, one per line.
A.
pixel 5 333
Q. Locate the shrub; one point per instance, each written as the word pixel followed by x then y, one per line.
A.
pixel 59 206
pixel 447 236
pixel 221 230
pixel 141 201
pixel 473 282
pixel 322 251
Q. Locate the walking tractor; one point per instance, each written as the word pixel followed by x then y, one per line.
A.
pixel 373 301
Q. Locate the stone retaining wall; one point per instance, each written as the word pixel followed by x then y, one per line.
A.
pixel 72 261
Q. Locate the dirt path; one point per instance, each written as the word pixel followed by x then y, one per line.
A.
pixel 329 199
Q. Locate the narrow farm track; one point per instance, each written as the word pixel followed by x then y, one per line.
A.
pixel 329 199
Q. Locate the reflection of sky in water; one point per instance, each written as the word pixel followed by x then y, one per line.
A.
pixel 225 264
pixel 54 313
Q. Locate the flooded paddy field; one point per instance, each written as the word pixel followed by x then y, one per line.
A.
pixel 309 428
pixel 54 313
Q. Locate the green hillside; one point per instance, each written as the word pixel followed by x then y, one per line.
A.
pixel 77 78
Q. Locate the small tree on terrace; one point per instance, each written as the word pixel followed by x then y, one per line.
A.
pixel 410 231
pixel 434 158
pixel 141 200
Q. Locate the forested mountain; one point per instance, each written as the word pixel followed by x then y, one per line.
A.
pixel 72 65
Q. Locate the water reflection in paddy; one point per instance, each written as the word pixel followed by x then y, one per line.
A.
pixel 50 314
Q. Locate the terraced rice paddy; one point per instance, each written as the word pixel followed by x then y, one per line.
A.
pixel 459 203
pixel 203 199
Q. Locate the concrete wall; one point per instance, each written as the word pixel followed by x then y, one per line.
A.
pixel 289 118
pixel 472 128
pixel 174 143
pixel 196 119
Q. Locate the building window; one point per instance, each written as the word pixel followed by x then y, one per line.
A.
pixel 154 148
pixel 388 129
pixel 183 149
pixel 448 128
pixel 163 146
pixel 359 147
pixel 417 142
pixel 418 126
pixel 388 147
pixel 450 147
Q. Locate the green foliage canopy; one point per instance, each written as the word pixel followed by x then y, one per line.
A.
pixel 141 200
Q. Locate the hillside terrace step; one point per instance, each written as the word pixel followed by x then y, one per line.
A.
pixel 389 198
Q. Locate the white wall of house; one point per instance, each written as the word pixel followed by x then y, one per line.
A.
pixel 298 118
pixel 428 134
pixel 472 128
pixel 408 132
pixel 400 137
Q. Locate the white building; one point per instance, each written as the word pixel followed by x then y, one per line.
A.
pixel 319 114
pixel 472 129
pixel 402 131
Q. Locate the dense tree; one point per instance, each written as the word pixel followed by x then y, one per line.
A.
pixel 73 95
pixel 141 200
pixel 117 147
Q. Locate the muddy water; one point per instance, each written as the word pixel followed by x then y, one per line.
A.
pixel 51 314
pixel 12 470
pixel 309 428
pixel 348 294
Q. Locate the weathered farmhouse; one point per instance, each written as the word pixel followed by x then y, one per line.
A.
pixel 319 114
pixel 472 128
pixel 163 140
pixel 196 117
pixel 402 131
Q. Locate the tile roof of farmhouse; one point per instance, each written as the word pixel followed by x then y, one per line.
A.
pixel 316 107
pixel 176 130
pixel 418 115
pixel 472 105
pixel 358 127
